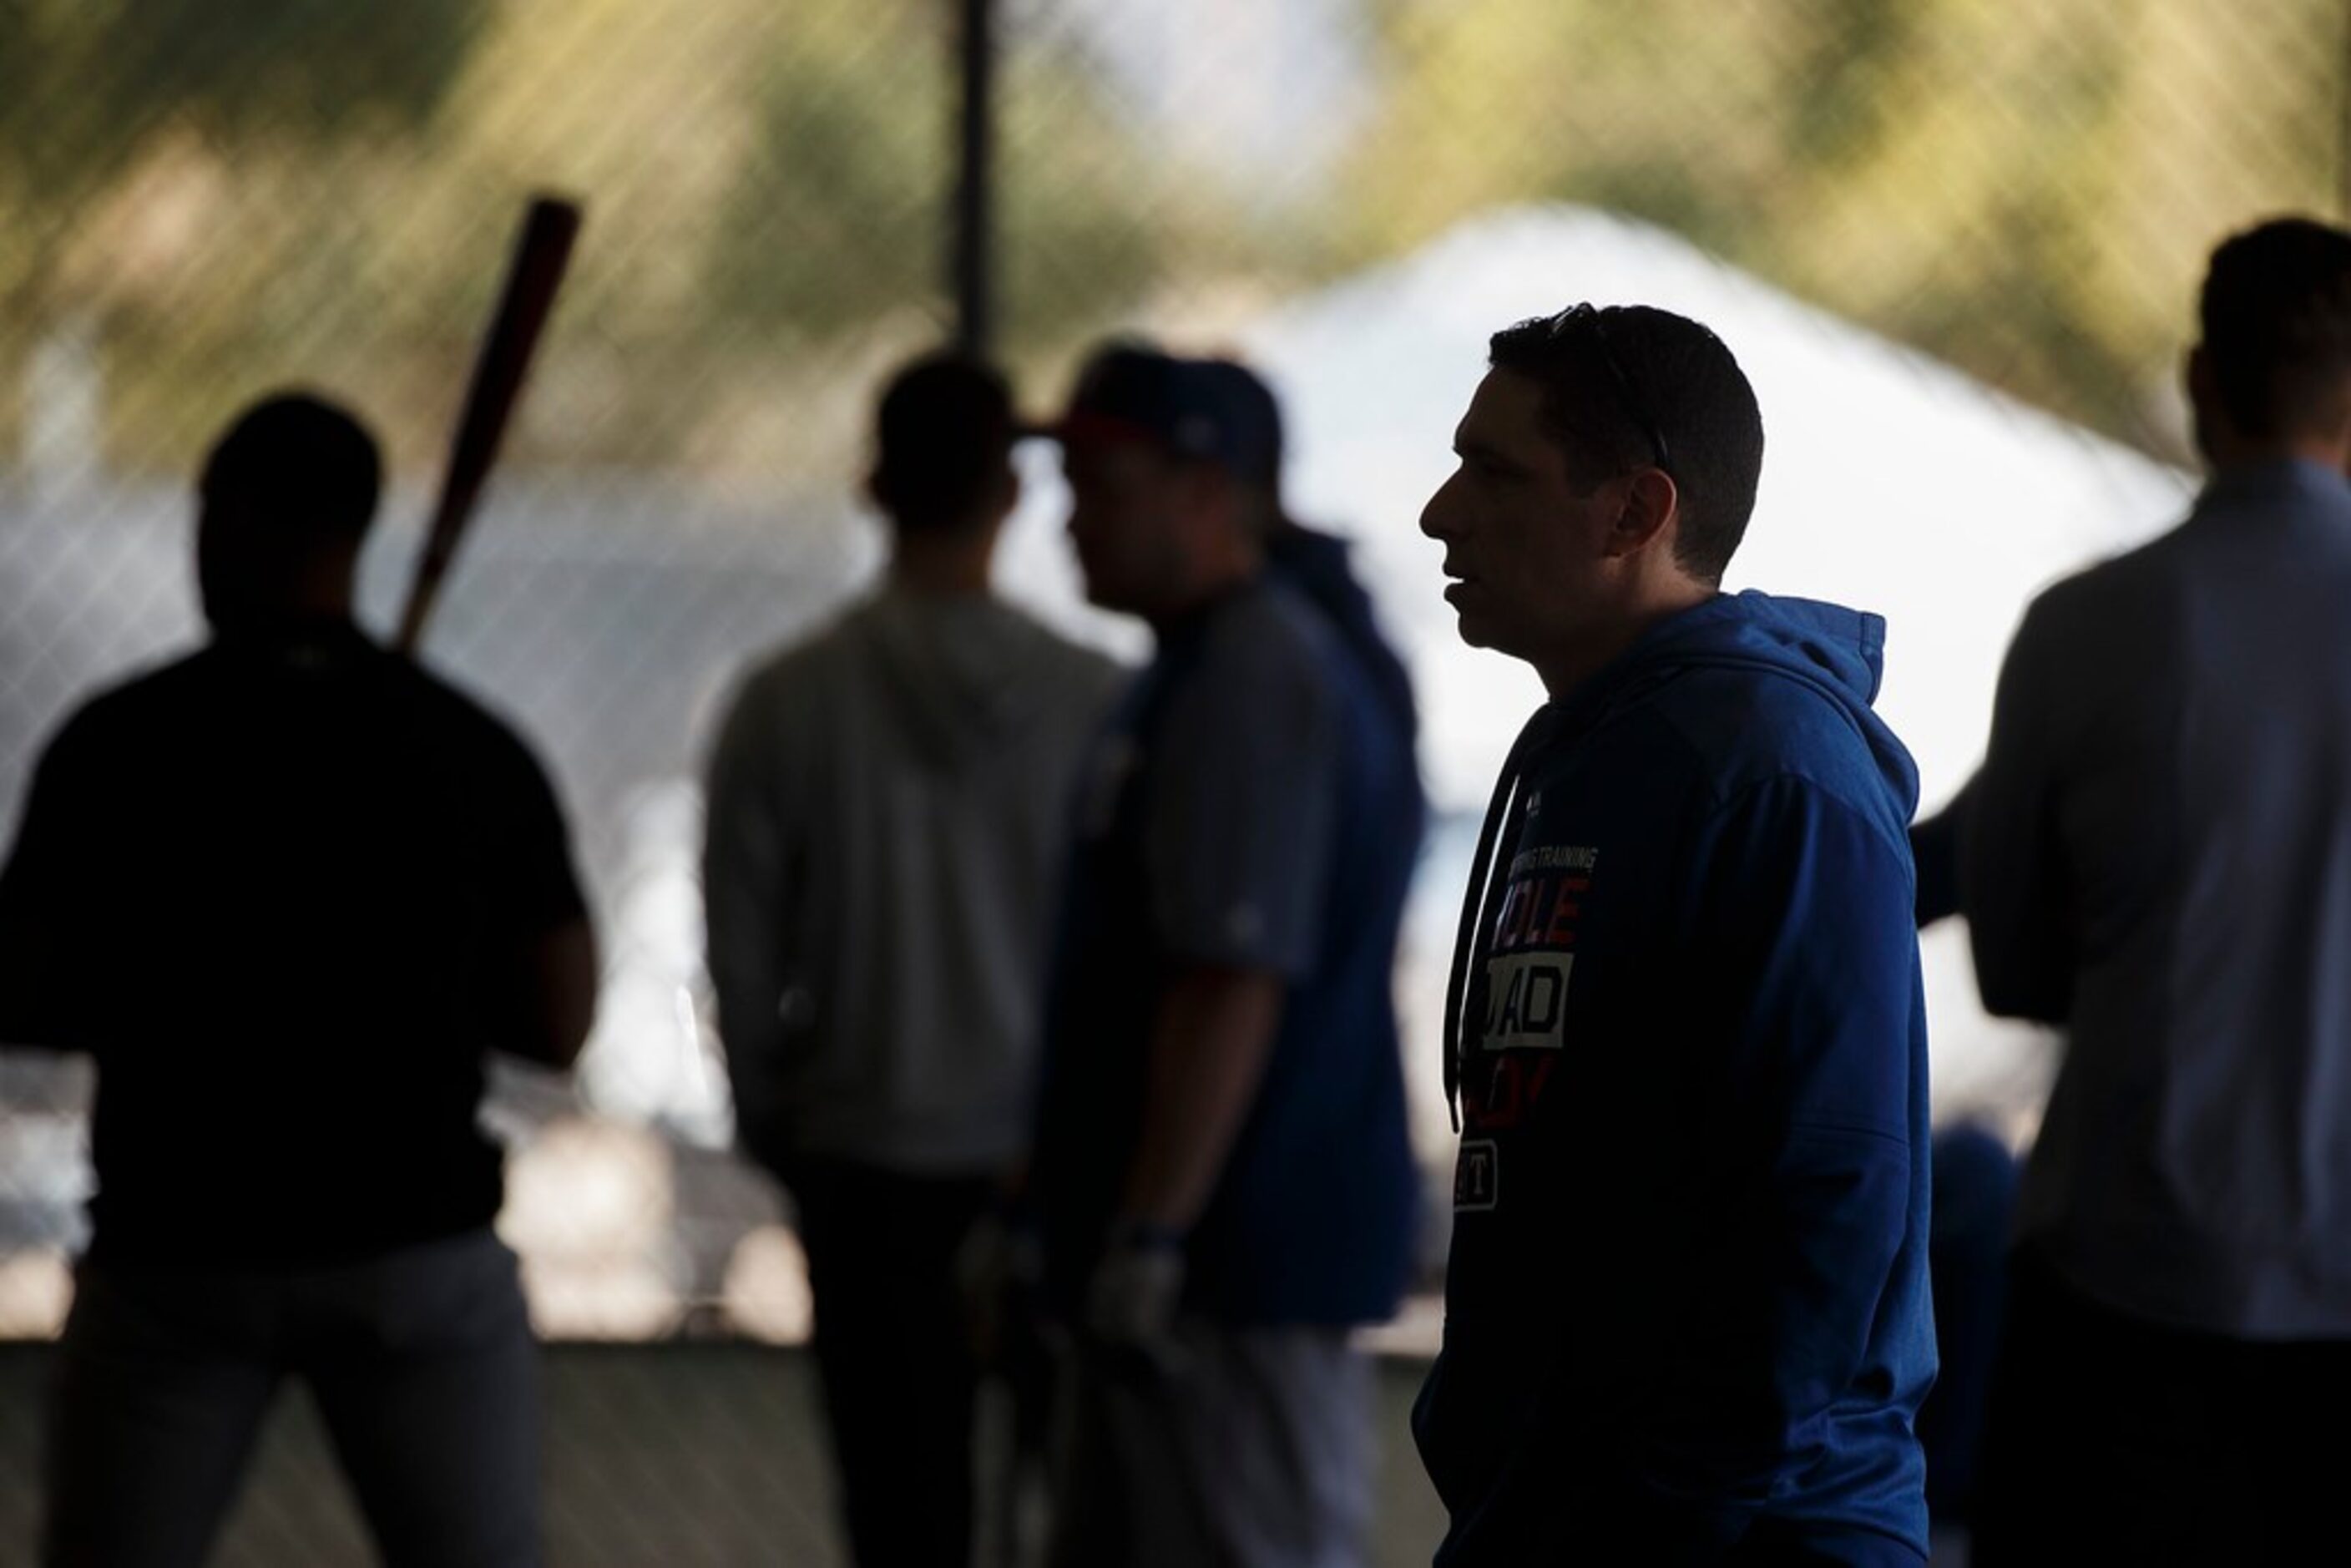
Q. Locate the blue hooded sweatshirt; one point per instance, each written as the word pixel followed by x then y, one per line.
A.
pixel 1686 1307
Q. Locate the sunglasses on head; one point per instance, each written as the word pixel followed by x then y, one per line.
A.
pixel 1587 315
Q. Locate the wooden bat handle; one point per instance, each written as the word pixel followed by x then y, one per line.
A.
pixel 537 272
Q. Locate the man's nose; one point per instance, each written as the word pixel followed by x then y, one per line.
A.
pixel 1437 517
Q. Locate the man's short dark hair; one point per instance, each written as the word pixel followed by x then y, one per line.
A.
pixel 301 466
pixel 2276 315
pixel 941 437
pixel 1672 383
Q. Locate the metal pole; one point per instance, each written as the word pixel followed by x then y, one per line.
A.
pixel 973 241
pixel 2342 120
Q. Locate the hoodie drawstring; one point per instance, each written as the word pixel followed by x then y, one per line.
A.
pixel 1473 910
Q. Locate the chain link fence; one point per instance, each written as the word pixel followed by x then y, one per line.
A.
pixel 1955 237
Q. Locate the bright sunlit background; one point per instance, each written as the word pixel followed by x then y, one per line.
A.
pixel 1955 243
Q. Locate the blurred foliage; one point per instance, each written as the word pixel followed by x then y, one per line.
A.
pixel 83 82
pixel 235 193
pixel 241 193
pixel 2028 191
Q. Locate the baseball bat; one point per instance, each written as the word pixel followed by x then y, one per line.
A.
pixel 532 278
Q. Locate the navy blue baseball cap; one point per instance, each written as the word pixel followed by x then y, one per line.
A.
pixel 1214 410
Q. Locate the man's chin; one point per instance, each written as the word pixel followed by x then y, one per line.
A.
pixel 1472 632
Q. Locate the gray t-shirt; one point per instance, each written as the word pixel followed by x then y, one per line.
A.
pixel 1255 806
pixel 1238 810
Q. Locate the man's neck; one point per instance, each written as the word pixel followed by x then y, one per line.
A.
pixel 318 596
pixel 279 622
pixel 946 565
pixel 1570 667
pixel 2250 452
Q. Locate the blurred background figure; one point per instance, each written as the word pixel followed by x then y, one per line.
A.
pixel 2157 856
pixel 888 812
pixel 290 890
pixel 1221 1170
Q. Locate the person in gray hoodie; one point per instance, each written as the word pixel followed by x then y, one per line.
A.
pixel 887 811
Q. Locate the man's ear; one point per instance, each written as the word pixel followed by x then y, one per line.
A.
pixel 1207 490
pixel 2208 415
pixel 2195 376
pixel 1651 508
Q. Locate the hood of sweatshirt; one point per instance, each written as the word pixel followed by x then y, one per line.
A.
pixel 1838 653
pixel 967 673
pixel 1318 566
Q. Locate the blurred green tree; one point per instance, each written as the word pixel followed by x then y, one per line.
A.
pixel 245 191
pixel 238 192
pixel 2027 191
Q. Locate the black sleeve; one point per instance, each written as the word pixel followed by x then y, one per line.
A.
pixel 2013 883
pixel 1934 846
pixel 538 889
pixel 48 924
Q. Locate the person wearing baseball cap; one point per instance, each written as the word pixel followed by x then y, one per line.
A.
pixel 1221 1173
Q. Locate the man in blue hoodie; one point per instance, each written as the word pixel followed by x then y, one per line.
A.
pixel 1686 1308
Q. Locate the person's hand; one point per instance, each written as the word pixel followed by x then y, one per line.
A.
pixel 1133 1296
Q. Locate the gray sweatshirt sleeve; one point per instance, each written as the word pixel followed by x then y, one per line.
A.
pixel 2013 881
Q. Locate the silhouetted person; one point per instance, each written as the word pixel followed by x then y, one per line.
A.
pixel 290 892
pixel 2157 859
pixel 1222 1172
pixel 889 804
pixel 1686 1314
